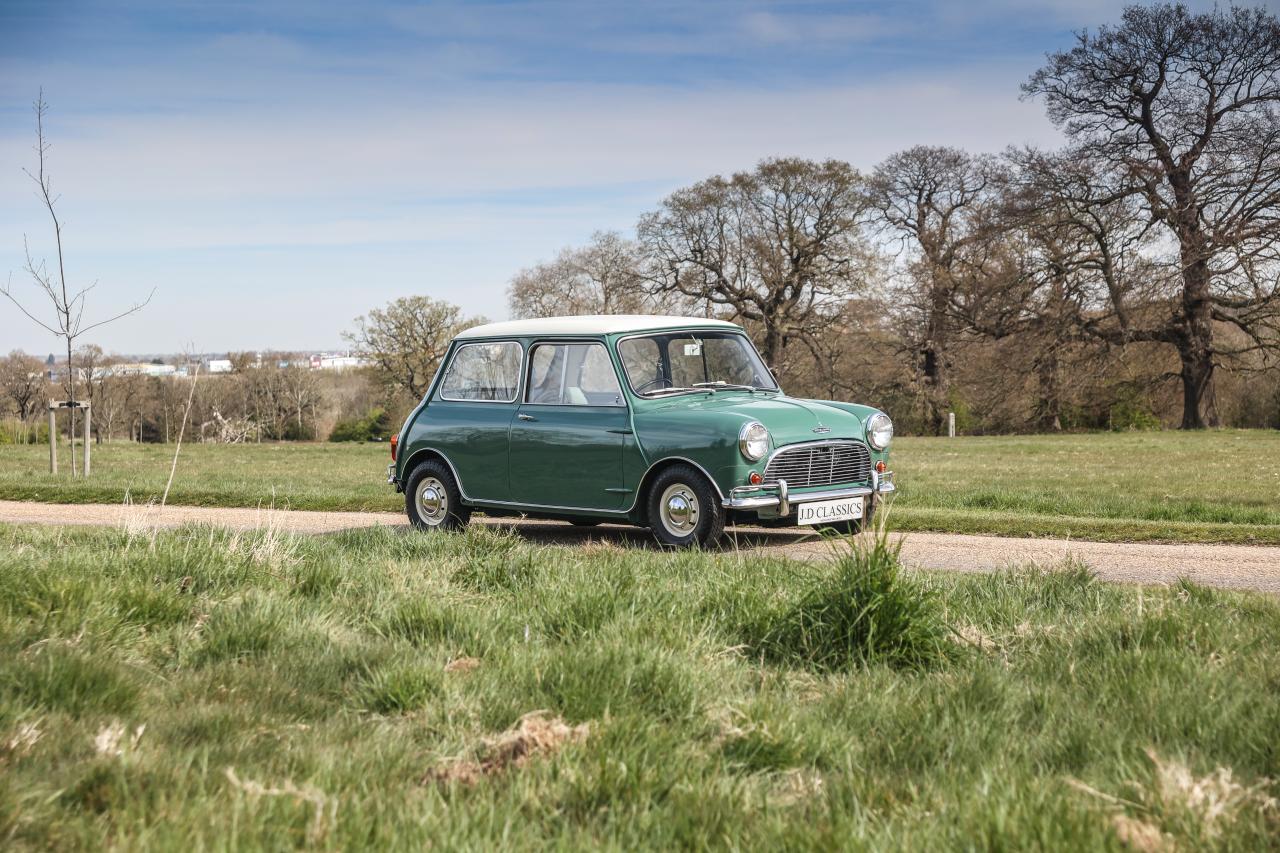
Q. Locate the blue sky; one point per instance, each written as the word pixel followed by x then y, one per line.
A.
pixel 275 169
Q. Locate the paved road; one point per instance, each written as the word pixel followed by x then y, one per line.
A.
pixel 1232 566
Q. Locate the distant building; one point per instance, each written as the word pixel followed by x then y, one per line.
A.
pixel 219 365
pixel 325 361
pixel 142 368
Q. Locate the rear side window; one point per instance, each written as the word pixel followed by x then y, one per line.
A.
pixel 486 373
pixel 572 375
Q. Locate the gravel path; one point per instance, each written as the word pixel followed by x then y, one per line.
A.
pixel 1232 566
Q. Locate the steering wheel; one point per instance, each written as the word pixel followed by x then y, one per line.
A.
pixel 667 383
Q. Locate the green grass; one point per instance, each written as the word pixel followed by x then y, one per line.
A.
pixel 1221 486
pixel 297 475
pixel 200 689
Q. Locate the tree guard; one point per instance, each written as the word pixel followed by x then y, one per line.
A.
pixel 54 405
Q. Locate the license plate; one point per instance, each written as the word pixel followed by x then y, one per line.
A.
pixel 822 512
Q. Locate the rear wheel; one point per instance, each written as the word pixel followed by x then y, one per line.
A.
pixel 432 498
pixel 684 510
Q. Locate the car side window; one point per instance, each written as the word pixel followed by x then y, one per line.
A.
pixel 642 360
pixel 572 375
pixel 483 372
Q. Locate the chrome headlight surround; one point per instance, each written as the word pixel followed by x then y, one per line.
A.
pixel 753 441
pixel 879 431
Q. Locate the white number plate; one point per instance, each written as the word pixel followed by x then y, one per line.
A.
pixel 821 512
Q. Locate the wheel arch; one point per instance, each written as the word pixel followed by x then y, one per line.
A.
pixel 426 454
pixel 651 474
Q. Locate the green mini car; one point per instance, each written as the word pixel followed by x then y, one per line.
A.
pixel 670 423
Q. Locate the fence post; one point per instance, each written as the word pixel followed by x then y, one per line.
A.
pixel 88 436
pixel 951 430
pixel 53 440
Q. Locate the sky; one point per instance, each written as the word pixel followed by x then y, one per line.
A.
pixel 272 170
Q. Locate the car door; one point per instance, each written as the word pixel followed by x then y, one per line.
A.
pixel 469 418
pixel 568 436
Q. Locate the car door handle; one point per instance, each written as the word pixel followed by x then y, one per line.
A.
pixel 526 417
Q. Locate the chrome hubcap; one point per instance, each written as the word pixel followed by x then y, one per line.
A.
pixel 433 501
pixel 680 510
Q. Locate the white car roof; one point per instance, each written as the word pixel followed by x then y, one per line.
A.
pixel 591 324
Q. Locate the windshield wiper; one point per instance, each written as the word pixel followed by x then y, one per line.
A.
pixel 658 391
pixel 725 386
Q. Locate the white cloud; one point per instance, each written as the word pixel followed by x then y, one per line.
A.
pixel 774 28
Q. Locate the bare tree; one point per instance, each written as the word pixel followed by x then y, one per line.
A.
pixel 110 393
pixel 780 247
pixel 602 277
pixel 1182 110
pixel 300 392
pixel 67 302
pixel 113 399
pixel 23 382
pixel 1090 274
pixel 851 358
pixel 935 203
pixel 92 369
pixel 406 340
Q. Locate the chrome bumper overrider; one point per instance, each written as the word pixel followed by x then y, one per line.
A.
pixel 780 498
pixel 391 473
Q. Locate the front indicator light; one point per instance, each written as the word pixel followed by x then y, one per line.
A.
pixel 755 479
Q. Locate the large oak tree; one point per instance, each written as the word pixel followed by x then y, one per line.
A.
pixel 934 203
pixel 779 247
pixel 1180 110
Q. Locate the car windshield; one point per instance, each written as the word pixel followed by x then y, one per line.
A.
pixel 675 362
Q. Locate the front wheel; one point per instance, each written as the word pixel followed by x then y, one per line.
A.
pixel 433 500
pixel 684 510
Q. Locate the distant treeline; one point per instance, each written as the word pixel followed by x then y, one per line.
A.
pixel 268 399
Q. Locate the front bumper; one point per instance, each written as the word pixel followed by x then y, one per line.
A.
pixel 778 500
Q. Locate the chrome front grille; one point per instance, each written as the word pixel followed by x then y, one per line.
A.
pixel 823 463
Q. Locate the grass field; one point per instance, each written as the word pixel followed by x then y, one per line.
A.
pixel 198 689
pixel 1166 486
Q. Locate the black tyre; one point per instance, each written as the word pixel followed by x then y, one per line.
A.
pixel 432 498
pixel 684 509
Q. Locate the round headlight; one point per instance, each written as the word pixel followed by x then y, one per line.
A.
pixel 753 441
pixel 879 431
